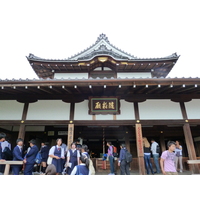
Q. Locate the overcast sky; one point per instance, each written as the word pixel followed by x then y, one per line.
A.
pixel 59 29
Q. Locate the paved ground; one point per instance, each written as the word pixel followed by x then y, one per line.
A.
pixel 137 173
pixel 132 173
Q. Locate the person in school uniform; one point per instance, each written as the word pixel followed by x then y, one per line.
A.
pixel 57 153
pixel 2 157
pixel 73 158
pixel 124 166
pixel 17 156
pixel 44 154
pixel 29 159
pixel 83 168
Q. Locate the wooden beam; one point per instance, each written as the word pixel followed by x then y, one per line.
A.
pixel 183 110
pixel 72 109
pixel 99 122
pixel 136 110
pixel 45 90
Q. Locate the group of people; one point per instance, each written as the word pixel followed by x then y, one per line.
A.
pixel 169 159
pixel 58 159
pixel 74 161
pixel 122 163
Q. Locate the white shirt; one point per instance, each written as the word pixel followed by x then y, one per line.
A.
pixel 78 153
pixel 75 169
pixel 153 147
pixel 51 151
pixel 20 148
pixel 179 150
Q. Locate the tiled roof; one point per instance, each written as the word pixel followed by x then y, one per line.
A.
pixel 101 47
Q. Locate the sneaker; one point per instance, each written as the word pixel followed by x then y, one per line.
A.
pixel 181 171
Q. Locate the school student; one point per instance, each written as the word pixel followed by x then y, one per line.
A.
pixel 83 168
pixel 124 166
pixel 57 153
pixel 44 154
pixel 2 157
pixel 17 156
pixel 85 151
pixel 29 159
pixel 73 158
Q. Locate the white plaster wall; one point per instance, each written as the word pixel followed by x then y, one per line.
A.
pixel 127 111
pixel 104 117
pixel 81 111
pixel 11 110
pixel 159 109
pixel 134 75
pixel 193 109
pixel 71 75
pixel 48 110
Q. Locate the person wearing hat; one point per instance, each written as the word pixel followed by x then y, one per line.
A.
pixel 29 159
pixel 17 156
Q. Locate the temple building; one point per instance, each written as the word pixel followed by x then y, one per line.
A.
pixel 104 94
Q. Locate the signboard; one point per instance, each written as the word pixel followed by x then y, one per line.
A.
pixel 70 135
pixel 62 132
pixel 104 105
pixel 139 140
pixel 50 133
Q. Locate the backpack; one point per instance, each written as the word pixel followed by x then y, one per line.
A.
pixel 8 153
pixel 115 154
pixel 128 157
pixel 38 158
pixel 158 149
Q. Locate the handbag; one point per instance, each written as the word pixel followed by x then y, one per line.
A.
pixel 91 167
pixel 49 160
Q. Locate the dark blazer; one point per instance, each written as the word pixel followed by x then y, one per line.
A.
pixel 122 154
pixel 44 152
pixel 1 154
pixel 31 155
pixel 17 154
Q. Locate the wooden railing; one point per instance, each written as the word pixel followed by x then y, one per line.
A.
pixel 8 163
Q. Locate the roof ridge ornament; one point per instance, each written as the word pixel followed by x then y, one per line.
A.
pixel 102 37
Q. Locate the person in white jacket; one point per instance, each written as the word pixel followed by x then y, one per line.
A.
pixel 154 145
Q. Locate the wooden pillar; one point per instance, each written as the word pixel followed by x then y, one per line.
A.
pixel 189 139
pixel 140 151
pixel 162 142
pixel 22 125
pixel 70 135
pixel 190 147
